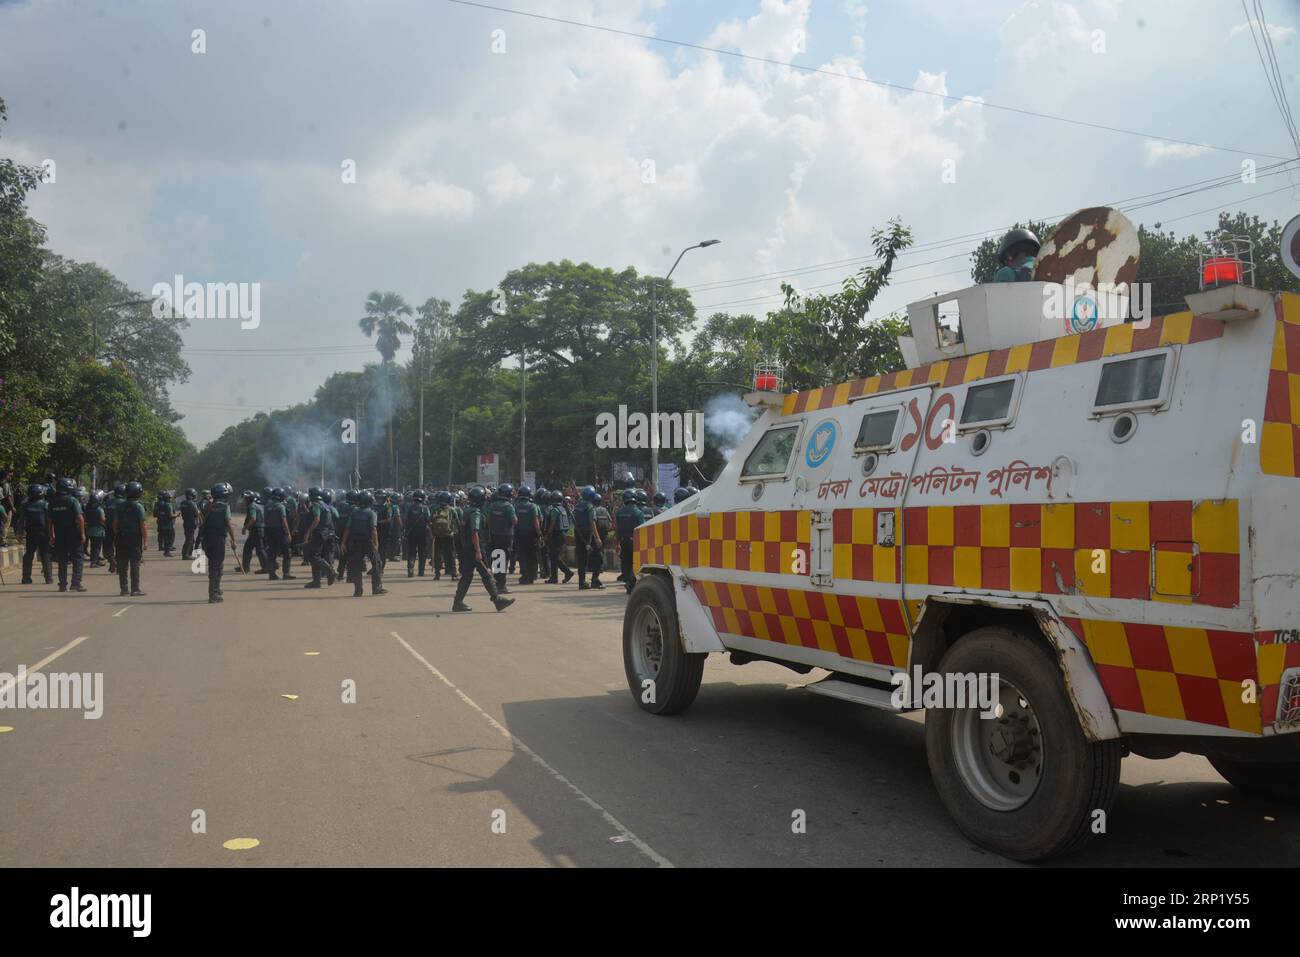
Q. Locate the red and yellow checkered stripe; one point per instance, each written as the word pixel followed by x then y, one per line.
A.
pixel 1275 658
pixel 1279 441
pixel 1183 674
pixel 749 541
pixel 1180 328
pixel 864 629
pixel 1181 551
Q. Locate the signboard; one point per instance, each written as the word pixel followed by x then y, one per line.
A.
pixel 530 478
pixel 488 469
pixel 1289 248
pixel 669 479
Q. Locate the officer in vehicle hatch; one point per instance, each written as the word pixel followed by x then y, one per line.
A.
pixel 587 543
pixel 318 537
pixel 528 530
pixel 556 524
pixel 254 533
pixel 501 520
pixel 278 535
pixel 166 516
pixel 69 527
pixel 471 554
pixel 96 526
pixel 131 538
pixel 189 522
pixel 38 531
pixel 218 526
pixel 1016 256
pixel 626 520
pixel 362 540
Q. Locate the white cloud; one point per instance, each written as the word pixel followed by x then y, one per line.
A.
pixel 392 192
pixel 1157 150
pixel 506 182
pixel 1276 31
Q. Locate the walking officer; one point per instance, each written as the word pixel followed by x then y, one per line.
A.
pixel 276 520
pixel 166 524
pixel 626 520
pixel 471 554
pixel 501 521
pixel 587 544
pixel 362 540
pixel 111 502
pixel 318 537
pixel 96 523
pixel 557 523
pixel 528 531
pixel 343 510
pixel 416 524
pixel 69 527
pixel 254 532
pixel 218 526
pixel 38 532
pixel 189 522
pixel 543 499
pixel 131 537
pixel 445 523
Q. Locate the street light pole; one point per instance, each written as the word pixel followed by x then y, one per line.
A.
pixel 654 364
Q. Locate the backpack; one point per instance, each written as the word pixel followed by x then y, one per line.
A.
pixel 444 521
pixel 603 521
pixel 563 524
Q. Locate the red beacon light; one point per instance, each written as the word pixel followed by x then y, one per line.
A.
pixel 765 382
pixel 1220 270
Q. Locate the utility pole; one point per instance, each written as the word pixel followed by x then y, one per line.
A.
pixel 420 482
pixel 451 455
pixel 523 409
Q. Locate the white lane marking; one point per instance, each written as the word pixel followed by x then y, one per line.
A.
pixel 505 732
pixel 122 612
pixel 45 661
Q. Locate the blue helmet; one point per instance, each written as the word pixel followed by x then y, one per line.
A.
pixel 683 493
pixel 525 491
pixel 478 494
pixel 629 496
pixel 660 499
pixel 365 499
pixel 505 490
pixel 589 494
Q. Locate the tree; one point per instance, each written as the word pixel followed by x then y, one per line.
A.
pixel 384 312
pixel 21 242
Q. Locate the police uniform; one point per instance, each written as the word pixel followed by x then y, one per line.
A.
pixel 165 513
pixel 128 546
pixel 36 530
pixel 254 534
pixel 213 534
pixel 444 523
pixel 626 520
pixel 501 518
pixel 361 522
pixel 471 560
pixel 189 522
pixel 527 532
pixel 318 544
pixel 274 517
pixel 66 519
pixel 96 530
pixel 587 543
pixel 556 520
pixel 416 524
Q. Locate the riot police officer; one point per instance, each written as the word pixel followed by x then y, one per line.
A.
pixel 528 530
pixel 189 522
pixel 111 502
pixel 660 503
pixel 96 527
pixel 318 538
pixel 278 535
pixel 683 493
pixel 218 525
pixel 38 531
pixel 444 522
pixel 164 515
pixel 131 538
pixel 587 544
pixel 473 530
pixel 254 533
pixel 557 523
pixel 501 520
pixel 418 533
pixel 69 528
pixel 626 520
pixel 542 496
pixel 363 539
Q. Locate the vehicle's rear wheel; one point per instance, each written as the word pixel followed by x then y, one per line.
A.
pixel 662 677
pixel 1025 783
pixel 1270 779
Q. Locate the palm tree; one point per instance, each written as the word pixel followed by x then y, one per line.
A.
pixel 384 311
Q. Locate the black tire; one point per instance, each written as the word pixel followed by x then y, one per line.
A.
pixel 676 680
pixel 1279 780
pixel 1076 779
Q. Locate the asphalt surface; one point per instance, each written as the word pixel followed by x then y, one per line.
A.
pixel 483 739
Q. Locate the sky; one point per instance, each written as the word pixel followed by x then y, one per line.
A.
pixel 483 139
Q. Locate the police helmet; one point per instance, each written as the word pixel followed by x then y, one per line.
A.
pixel 165 495
pixel 119 489
pixel 525 491
pixel 365 499
pixel 65 486
pixel 277 495
pixel 505 490
pixel 641 497
pixel 314 493
pixel 660 499
pixel 190 493
pixel 589 494
pixel 250 495
pixel 35 490
pixel 478 494
pixel 418 496
pixel 629 496
pixel 683 493
pixel 220 491
pixel 134 490
pixel 1018 240
pixel 327 496
pixel 557 497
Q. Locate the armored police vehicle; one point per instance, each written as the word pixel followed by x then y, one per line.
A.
pixel 1095 510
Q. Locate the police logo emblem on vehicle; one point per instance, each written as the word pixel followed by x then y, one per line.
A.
pixel 821 444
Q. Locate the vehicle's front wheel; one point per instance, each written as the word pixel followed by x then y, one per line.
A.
pixel 1025 783
pixel 662 677
pixel 1271 779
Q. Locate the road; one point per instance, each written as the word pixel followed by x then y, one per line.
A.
pixel 483 739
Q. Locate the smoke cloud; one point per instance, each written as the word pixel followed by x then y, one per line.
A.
pixel 727 420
